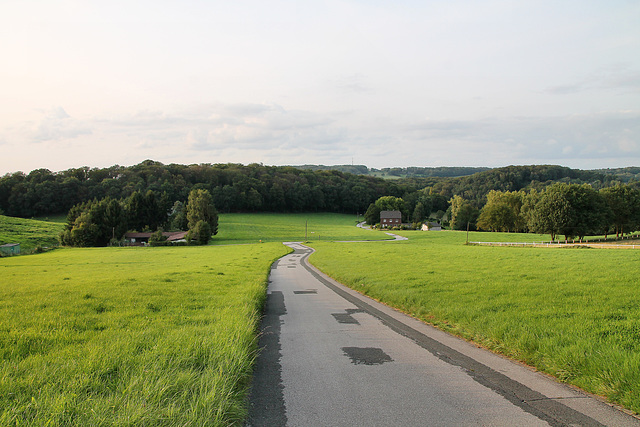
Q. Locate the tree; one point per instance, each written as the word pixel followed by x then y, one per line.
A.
pixel 384 203
pixel 502 212
pixel 550 214
pixel 391 203
pixel 624 204
pixel 462 214
pixel 372 215
pixel 200 208
pixel 200 233
pixel 588 213
pixel 178 217
pixel 94 223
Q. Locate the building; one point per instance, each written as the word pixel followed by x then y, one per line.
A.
pixel 431 226
pixel 10 249
pixel 142 239
pixel 390 219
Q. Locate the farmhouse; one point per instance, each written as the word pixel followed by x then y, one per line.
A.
pixel 141 239
pixel 10 249
pixel 431 226
pixel 390 219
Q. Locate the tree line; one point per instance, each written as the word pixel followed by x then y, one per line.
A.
pixel 164 189
pixel 571 210
pixel 105 221
pixel 233 188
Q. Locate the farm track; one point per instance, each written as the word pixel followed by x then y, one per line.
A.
pixel 331 356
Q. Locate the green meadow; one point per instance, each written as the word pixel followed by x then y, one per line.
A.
pixel 130 336
pixel 30 233
pixel 167 336
pixel 268 227
pixel 571 312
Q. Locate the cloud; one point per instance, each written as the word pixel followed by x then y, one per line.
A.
pixel 56 125
pixel 495 141
pixel 352 83
pixel 616 78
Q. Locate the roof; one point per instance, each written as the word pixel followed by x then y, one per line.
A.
pixel 9 245
pixel 391 214
pixel 170 235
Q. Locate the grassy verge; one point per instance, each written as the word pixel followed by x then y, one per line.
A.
pixel 573 313
pixel 130 336
pixel 265 227
pixel 29 232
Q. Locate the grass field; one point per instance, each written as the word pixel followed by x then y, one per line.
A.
pixel 573 313
pixel 149 336
pixel 251 228
pixel 29 232
pixel 130 336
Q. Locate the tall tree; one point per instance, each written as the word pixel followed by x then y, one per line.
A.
pixel 624 204
pixel 463 214
pixel 200 208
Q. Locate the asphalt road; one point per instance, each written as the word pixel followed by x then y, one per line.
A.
pixel 331 357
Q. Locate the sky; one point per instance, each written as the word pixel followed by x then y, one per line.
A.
pixel 380 83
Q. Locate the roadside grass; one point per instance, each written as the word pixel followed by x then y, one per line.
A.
pixel 572 313
pixel 30 233
pixel 130 336
pixel 275 227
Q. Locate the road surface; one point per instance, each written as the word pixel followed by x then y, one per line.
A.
pixel 331 357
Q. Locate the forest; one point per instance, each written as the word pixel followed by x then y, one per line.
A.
pixel 473 199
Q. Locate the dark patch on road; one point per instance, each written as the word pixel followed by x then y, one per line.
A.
pixel 345 318
pixel 531 401
pixel 308 291
pixel 266 401
pixel 366 355
pixel 291 266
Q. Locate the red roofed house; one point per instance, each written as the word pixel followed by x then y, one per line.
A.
pixel 390 219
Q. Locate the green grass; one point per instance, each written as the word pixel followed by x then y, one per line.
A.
pixel 29 232
pixel 251 228
pixel 573 313
pixel 130 336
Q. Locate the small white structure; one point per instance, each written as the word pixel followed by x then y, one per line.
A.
pixel 431 226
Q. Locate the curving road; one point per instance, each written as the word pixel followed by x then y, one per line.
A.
pixel 332 357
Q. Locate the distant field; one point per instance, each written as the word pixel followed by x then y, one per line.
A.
pixel 130 336
pixel 573 313
pixel 251 228
pixel 29 232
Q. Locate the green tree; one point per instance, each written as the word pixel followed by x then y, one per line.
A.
pixel 200 233
pixel 94 223
pixel 551 213
pixel 502 212
pixel 463 214
pixel 372 215
pixel 200 208
pixel 178 217
pixel 623 202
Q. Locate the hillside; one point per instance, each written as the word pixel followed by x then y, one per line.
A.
pixel 259 188
pixel 397 173
pixel 30 233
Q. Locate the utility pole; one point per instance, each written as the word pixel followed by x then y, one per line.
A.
pixel 467 232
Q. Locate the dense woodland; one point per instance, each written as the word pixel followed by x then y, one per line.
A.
pixel 259 188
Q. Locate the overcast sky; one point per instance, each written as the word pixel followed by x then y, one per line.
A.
pixel 380 83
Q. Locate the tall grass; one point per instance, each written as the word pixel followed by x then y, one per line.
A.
pixel 573 313
pixel 130 336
